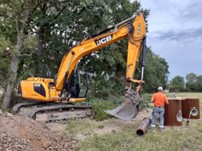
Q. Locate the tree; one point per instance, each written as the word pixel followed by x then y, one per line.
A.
pixel 19 12
pixel 156 72
pixel 199 83
pixel 191 82
pixel 177 84
pixel 4 59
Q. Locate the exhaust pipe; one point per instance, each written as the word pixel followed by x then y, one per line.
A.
pixel 142 129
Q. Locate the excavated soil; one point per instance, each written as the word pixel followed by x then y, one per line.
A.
pixel 19 133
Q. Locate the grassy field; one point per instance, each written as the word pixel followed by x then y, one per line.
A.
pixel 93 135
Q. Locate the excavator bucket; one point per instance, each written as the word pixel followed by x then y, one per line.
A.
pixel 129 108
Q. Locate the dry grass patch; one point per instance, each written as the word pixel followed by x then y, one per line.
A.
pixel 85 128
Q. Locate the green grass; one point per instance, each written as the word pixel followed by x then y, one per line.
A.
pixel 125 139
pixel 82 127
pixel 186 94
pixel 172 139
pixel 99 106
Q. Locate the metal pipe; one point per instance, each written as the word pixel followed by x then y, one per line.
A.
pixel 142 129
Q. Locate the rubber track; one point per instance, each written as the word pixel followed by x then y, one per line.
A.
pixel 17 107
pixel 35 108
pixel 33 112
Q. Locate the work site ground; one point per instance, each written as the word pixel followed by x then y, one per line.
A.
pixel 20 133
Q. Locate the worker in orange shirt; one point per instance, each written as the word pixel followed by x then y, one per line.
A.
pixel 159 99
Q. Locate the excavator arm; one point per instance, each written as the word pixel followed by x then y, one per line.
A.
pixel 57 90
pixel 136 33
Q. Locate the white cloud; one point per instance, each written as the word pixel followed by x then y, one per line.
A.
pixel 175 29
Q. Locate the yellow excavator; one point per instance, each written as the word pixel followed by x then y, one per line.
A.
pixel 63 92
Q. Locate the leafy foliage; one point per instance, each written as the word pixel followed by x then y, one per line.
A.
pixel 156 72
pixel 193 83
pixel 191 79
pixel 54 25
pixel 177 84
pixel 199 83
pixel 109 64
pixel 4 60
pixel 99 106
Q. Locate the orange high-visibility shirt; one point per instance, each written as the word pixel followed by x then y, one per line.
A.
pixel 159 99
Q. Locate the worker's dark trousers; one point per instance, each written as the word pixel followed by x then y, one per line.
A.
pixel 158 112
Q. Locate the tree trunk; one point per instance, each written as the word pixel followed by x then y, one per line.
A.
pixel 39 69
pixel 22 21
pixel 15 60
pixel 10 86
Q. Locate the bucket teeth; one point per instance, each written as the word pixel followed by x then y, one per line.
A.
pixel 128 109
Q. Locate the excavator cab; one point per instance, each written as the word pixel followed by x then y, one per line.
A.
pixel 79 84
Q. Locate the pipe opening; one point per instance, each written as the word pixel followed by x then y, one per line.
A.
pixel 140 132
pixel 179 116
pixel 194 112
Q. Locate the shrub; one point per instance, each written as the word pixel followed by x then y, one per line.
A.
pixel 99 107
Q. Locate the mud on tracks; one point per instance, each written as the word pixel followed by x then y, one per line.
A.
pixel 19 133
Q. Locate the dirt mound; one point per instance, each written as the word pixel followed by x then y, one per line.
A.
pixel 19 133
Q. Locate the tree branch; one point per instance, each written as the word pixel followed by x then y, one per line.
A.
pixel 26 55
pixel 56 18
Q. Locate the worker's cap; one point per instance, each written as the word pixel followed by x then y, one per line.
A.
pixel 160 88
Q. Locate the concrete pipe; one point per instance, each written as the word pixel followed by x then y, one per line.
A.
pixel 179 116
pixel 191 108
pixel 173 112
pixel 142 129
pixel 193 111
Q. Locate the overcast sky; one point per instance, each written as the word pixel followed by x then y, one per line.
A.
pixel 175 33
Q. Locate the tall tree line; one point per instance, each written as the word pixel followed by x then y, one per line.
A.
pixel 36 34
pixel 192 83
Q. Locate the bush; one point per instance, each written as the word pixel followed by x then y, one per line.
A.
pixel 146 101
pixel 99 107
